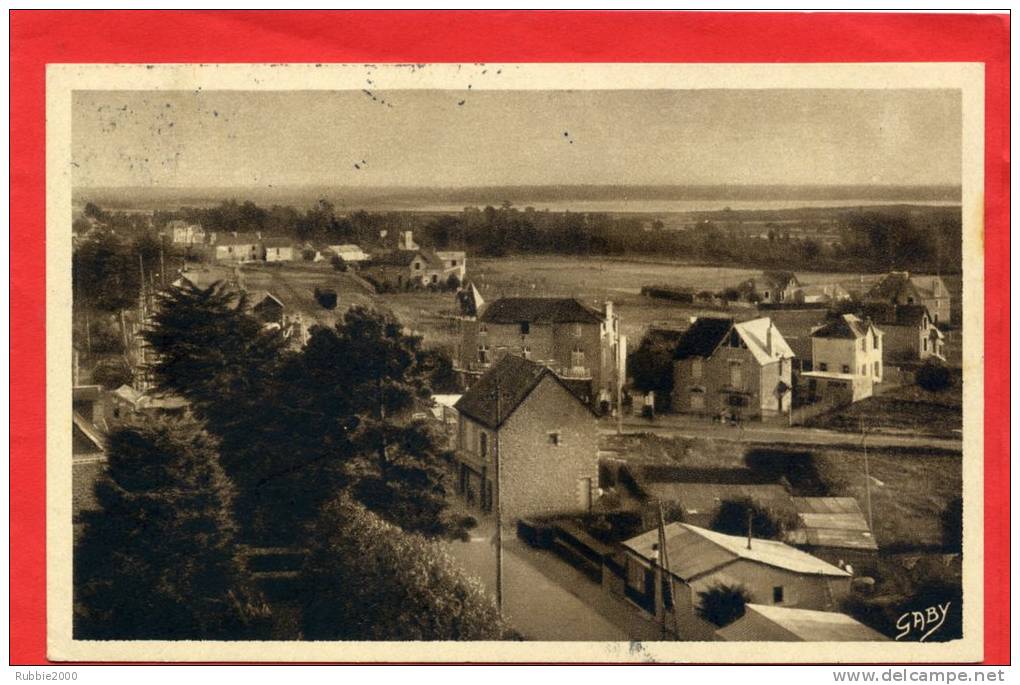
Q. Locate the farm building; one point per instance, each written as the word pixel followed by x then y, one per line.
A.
pixel 764 623
pixel 544 439
pixel 742 369
pixel 238 247
pixel 351 254
pixel 771 572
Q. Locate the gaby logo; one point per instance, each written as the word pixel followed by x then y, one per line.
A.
pixel 924 622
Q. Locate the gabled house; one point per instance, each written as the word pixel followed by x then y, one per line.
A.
pixel 771 287
pixel 764 623
pixel 846 359
pixel 469 300
pixel 733 369
pixel 910 333
pixel 902 288
pixel 772 573
pixel 581 344
pixel 523 436
pixel 266 307
pixel 454 262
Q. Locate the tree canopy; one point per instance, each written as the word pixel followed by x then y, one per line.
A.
pixel 160 559
pixel 368 580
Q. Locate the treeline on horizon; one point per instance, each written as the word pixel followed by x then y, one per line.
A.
pixel 868 239
pixel 523 195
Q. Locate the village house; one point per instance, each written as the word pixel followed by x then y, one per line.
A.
pixel 771 287
pixel 278 249
pixel 722 368
pixel 772 573
pixel 266 307
pixel 238 247
pixel 524 437
pixel 183 233
pixel 764 623
pixel 833 529
pixel 902 288
pixel 846 359
pixel 909 332
pixel 581 345
pixel 454 262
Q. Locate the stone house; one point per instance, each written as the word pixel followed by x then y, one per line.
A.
pixel 772 572
pixel 846 359
pixel 742 369
pixel 902 288
pixel 580 344
pixel 523 436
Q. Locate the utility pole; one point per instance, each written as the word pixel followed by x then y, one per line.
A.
pixel 867 476
pixel 497 458
pixel 667 569
pixel 750 522
pixel 621 357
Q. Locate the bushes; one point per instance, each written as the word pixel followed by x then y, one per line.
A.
pixel 766 522
pixel 723 604
pixel 368 580
pixel 934 377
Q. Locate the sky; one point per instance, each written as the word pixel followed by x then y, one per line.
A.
pixel 452 138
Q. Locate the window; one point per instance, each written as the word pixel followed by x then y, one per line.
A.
pixel 736 374
pixel 846 368
pixel 483 354
pixel 874 340
pixel 417 266
pixel 525 327
pixel 453 262
pixel 734 340
pixel 483 329
pixel 924 342
pixel 577 358
pixel 864 344
pixel 527 352
pixel 878 369
pixel 777 594
pixel 554 438
pixel 864 369
pixel 696 368
pixel 577 330
pixel 483 444
pixel 822 366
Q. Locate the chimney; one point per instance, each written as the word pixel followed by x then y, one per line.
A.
pixel 768 338
pixel 609 311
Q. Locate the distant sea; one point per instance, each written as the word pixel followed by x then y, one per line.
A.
pixel 675 206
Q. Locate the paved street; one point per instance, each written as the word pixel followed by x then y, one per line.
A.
pixel 691 427
pixel 547 599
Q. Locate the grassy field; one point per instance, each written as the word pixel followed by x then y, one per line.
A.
pixel 909 492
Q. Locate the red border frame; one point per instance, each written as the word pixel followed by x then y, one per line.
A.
pixel 50 36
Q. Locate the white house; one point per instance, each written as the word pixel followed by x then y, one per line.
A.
pixel 846 359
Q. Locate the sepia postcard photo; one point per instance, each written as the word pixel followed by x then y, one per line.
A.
pixel 515 362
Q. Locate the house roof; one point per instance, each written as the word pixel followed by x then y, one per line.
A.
pixel 395 257
pixel 764 340
pixel 278 241
pixel 470 300
pixel 87 434
pixel 701 339
pixel 888 314
pixel 349 252
pixel 514 377
pixel 257 297
pixel 900 284
pixel 239 239
pixel 846 326
pixel 831 522
pixel 540 310
pixel 695 551
pixel 432 259
pixel 128 393
pixel 761 622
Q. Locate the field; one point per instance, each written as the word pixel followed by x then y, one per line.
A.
pixel 909 489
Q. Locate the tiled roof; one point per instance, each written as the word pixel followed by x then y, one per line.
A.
pixel 695 551
pixel 900 284
pixel 764 340
pixel 278 241
pixel 897 315
pixel 515 378
pixel 765 622
pixel 701 339
pixel 540 310
pixel 239 239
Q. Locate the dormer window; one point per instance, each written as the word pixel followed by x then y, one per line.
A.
pixel 525 327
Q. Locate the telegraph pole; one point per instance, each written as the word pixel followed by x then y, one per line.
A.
pixel 497 459
pixel 867 476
